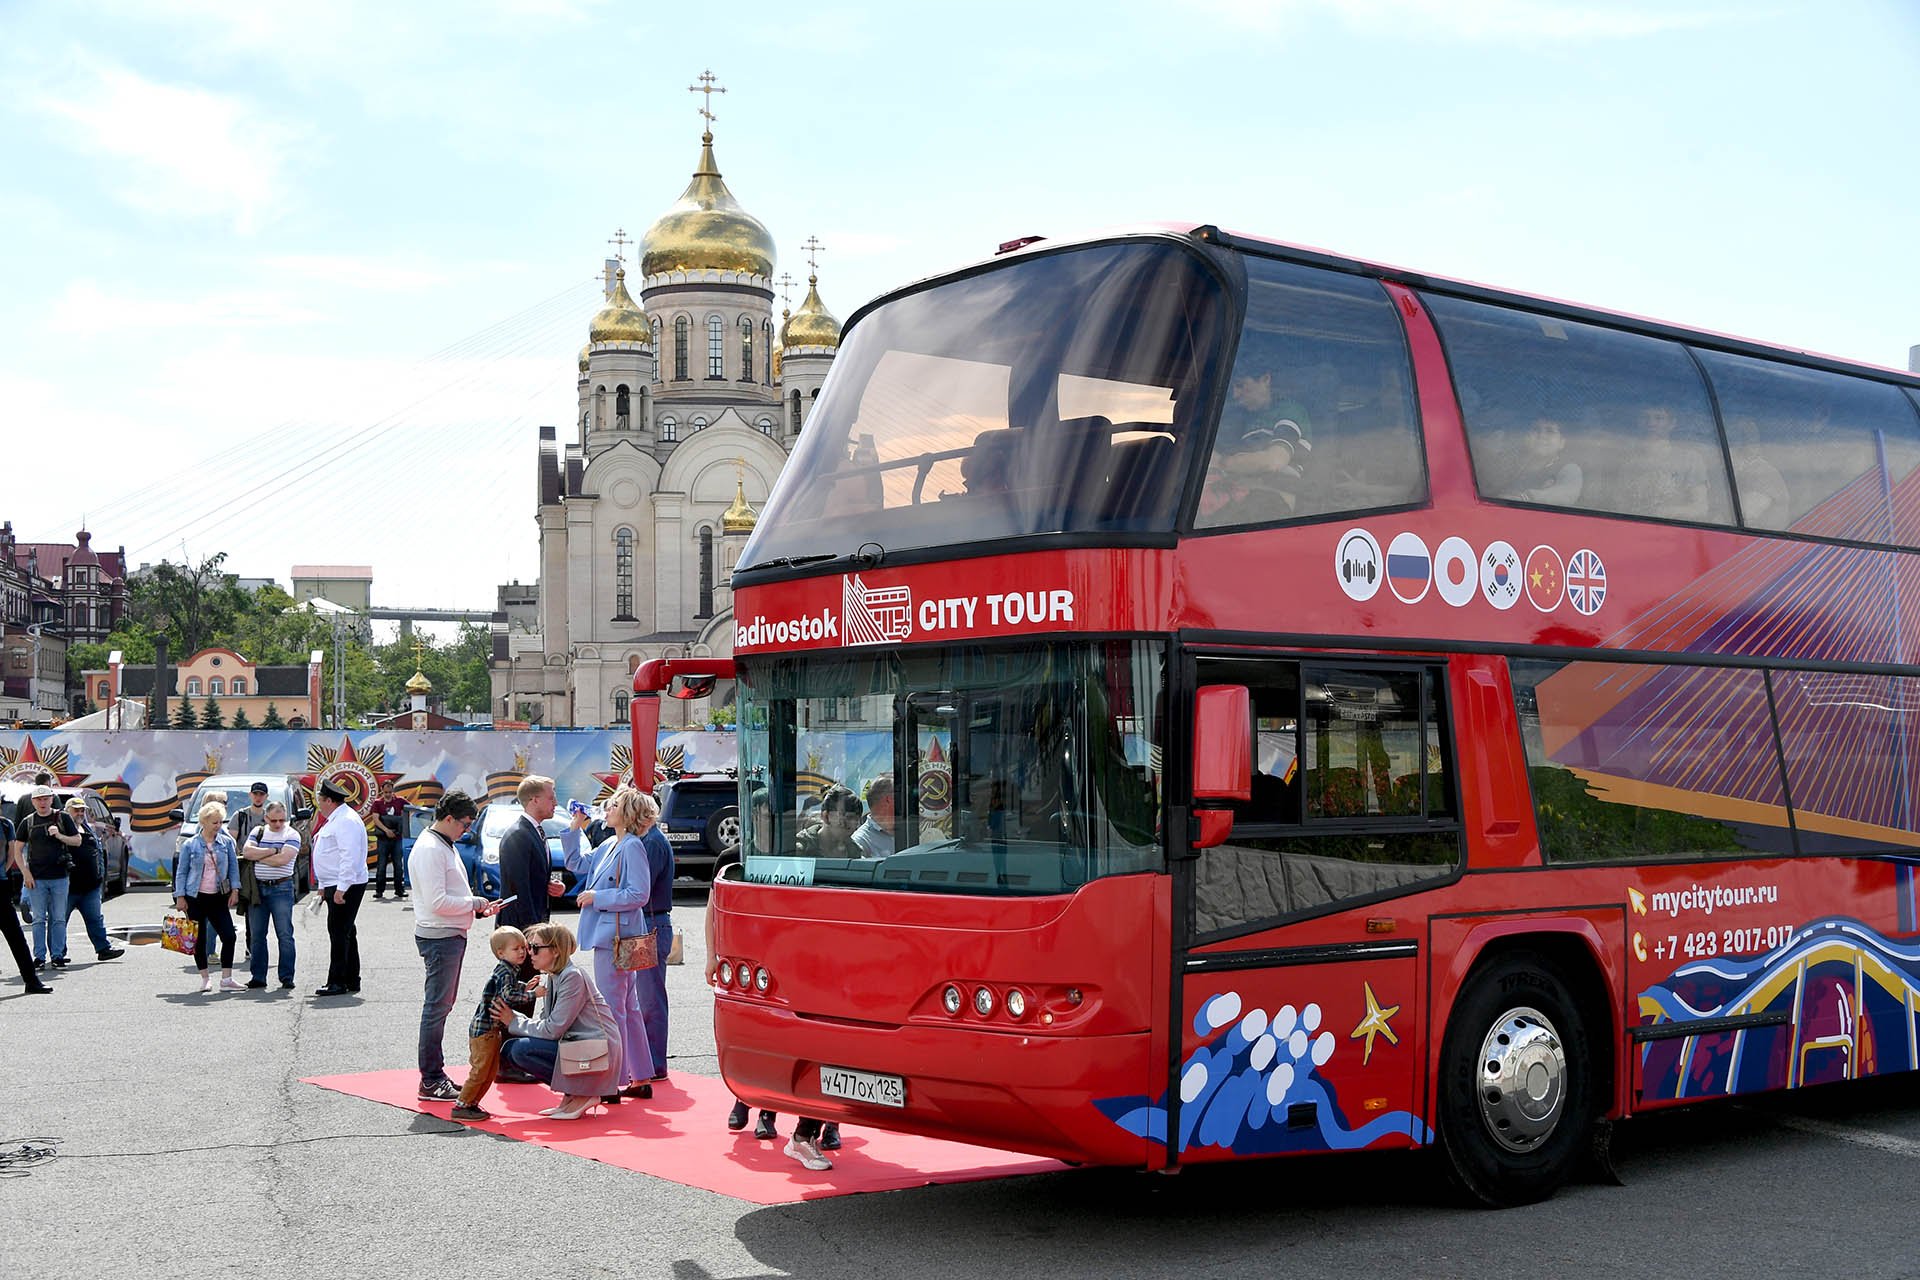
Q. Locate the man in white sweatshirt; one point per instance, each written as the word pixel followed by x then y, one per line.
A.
pixel 443 911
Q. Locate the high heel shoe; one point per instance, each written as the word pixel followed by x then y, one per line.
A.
pixel 574 1108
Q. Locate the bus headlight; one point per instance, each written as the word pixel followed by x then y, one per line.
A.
pixel 726 973
pixel 746 978
pixel 950 998
pixel 761 978
pixel 1016 1003
pixel 983 1001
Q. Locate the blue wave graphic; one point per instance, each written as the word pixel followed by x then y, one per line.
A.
pixel 1238 1088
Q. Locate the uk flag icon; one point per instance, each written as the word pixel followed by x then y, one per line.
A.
pixel 1586 582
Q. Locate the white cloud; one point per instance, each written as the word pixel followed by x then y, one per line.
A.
pixel 175 149
pixel 1470 20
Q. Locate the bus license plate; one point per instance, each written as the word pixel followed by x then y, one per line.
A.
pixel 863 1086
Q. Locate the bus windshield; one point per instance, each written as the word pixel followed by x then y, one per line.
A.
pixel 1057 393
pixel 975 770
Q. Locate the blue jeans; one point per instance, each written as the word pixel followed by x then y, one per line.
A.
pixel 276 904
pixel 88 905
pixel 653 1002
pixel 532 1056
pixel 442 957
pixel 49 899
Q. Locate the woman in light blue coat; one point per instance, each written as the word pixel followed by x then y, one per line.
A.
pixel 612 884
pixel 206 885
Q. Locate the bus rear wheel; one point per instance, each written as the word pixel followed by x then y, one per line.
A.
pixel 1516 1085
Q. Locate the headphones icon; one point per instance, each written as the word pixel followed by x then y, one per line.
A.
pixel 1365 567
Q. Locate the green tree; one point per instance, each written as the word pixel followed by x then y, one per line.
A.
pixel 210 717
pixel 183 717
pixel 272 719
pixel 240 720
pixel 192 604
pixel 133 640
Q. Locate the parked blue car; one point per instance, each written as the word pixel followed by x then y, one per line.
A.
pixel 495 821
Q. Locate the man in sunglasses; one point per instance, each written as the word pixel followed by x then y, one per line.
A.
pixel 443 911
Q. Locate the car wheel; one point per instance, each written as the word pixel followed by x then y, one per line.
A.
pixel 723 830
pixel 1516 1096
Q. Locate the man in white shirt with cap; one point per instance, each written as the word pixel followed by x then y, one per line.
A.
pixel 340 872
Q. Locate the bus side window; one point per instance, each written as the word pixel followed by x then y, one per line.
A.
pixel 1319 413
pixel 1562 413
pixel 1351 794
pixel 1817 439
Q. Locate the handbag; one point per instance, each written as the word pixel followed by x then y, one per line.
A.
pixel 577 1057
pixel 634 951
pixel 178 933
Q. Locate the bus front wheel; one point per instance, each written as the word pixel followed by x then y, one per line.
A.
pixel 1516 1095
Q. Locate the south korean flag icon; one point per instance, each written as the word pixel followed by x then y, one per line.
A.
pixel 1500 575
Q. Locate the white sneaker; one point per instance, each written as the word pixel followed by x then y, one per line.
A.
pixel 807 1154
pixel 228 984
pixel 206 986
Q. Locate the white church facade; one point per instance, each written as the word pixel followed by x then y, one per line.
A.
pixel 689 400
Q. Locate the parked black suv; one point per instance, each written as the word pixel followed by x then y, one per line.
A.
pixel 701 816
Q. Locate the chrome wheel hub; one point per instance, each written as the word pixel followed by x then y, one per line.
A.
pixel 1522 1079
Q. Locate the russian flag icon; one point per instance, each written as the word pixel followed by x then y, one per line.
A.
pixel 1409 568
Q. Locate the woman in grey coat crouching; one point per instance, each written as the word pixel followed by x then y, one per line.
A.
pixel 574 1042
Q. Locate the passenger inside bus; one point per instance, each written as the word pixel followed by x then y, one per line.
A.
pixel 1542 471
pixel 1663 477
pixel 1259 480
pixel 989 467
pixel 1764 500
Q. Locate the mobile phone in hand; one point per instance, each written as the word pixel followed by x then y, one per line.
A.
pixel 512 897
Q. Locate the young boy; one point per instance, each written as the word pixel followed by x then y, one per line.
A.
pixel 483 1033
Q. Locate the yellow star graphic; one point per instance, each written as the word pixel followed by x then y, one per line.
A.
pixel 1375 1023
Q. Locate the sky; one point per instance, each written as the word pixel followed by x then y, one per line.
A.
pixel 299 283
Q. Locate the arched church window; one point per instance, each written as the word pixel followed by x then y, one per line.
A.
pixel 698 425
pixel 654 327
pixel 716 347
pixel 746 349
pixel 766 341
pixel 679 348
pixel 623 574
pixel 622 409
pixel 620 700
pixel 765 425
pixel 706 572
pixel 599 408
pixel 669 430
pixel 793 416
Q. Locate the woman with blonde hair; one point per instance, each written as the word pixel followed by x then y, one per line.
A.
pixel 573 1042
pixel 206 885
pixel 612 883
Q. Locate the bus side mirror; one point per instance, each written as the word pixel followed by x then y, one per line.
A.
pixel 1222 758
pixel 688 687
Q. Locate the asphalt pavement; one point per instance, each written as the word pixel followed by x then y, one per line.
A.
pixel 183 1144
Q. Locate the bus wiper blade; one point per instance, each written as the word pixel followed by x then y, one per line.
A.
pixel 794 562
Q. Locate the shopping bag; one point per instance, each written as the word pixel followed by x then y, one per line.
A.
pixel 177 933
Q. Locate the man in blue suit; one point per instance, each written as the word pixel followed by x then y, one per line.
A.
pixel 524 862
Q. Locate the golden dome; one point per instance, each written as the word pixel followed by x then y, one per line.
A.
pixel 419 683
pixel 739 518
pixel 812 325
pixel 621 320
pixel 707 230
pixel 584 353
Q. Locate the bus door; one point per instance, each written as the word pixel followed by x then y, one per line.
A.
pixel 1300 974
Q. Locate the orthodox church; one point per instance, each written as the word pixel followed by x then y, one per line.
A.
pixel 689 400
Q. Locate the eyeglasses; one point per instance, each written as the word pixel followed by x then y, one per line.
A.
pixel 538 946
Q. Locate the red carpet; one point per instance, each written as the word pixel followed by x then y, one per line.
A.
pixel 681 1135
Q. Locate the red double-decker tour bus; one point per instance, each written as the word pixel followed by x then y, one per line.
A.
pixel 1293 704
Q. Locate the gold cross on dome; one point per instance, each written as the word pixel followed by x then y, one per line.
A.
pixel 786 284
pixel 709 88
pixel 814 249
pixel 620 243
pixel 419 650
